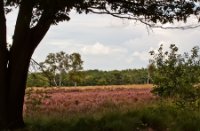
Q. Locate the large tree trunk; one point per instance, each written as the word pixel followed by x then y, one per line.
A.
pixel 14 64
pixel 3 87
pixel 3 68
pixel 19 58
pixel 17 71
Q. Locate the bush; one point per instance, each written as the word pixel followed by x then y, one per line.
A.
pixel 175 75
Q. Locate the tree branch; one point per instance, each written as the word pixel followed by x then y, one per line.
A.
pixel 22 28
pixel 41 68
pixel 39 31
pixel 142 20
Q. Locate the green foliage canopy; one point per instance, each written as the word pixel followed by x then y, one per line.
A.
pixel 146 11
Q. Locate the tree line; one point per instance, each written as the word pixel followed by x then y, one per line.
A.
pixel 91 78
pixel 62 69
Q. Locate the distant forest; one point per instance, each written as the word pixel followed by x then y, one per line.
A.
pixel 90 78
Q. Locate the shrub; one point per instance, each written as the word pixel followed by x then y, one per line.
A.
pixel 175 75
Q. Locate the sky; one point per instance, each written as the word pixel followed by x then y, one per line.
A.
pixel 108 43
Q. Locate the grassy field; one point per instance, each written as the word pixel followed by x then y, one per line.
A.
pixel 104 108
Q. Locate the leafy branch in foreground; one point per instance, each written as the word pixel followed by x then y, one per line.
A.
pixel 176 75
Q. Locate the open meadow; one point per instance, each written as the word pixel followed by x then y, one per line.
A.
pixel 103 108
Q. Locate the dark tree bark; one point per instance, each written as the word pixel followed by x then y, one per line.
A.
pixel 19 57
pixel 3 68
pixel 14 64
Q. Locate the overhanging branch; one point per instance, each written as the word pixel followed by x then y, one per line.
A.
pixel 141 20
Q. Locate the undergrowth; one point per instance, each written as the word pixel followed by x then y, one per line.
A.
pixel 156 117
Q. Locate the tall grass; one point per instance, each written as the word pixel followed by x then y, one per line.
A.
pixel 156 117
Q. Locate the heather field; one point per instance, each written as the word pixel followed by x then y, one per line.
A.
pixel 85 99
pixel 103 108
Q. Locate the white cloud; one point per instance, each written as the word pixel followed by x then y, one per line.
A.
pixel 143 56
pixel 100 49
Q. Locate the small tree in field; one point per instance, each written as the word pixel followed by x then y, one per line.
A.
pixel 175 75
pixel 76 65
pixel 59 64
pixel 56 64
